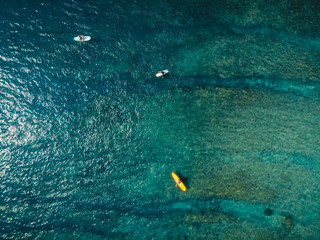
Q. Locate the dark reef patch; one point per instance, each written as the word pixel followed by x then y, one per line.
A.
pixel 268 212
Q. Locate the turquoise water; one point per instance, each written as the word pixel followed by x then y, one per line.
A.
pixel 89 137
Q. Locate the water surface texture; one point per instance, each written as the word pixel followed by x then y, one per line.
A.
pixel 89 136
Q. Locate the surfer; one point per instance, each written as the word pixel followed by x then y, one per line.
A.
pixel 81 38
pixel 178 182
pixel 162 73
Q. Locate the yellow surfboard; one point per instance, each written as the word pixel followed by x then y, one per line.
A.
pixel 178 182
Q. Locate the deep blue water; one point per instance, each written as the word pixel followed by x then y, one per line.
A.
pixel 89 136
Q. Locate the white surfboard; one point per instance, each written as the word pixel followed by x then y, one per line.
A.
pixel 162 73
pixel 84 38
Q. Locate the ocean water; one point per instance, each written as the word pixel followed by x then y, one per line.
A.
pixel 89 136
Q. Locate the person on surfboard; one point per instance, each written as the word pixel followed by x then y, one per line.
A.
pixel 178 182
pixel 81 38
pixel 161 73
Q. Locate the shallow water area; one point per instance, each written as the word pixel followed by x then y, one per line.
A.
pixel 89 136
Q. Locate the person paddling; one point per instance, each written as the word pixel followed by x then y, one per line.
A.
pixel 81 38
pixel 178 182
pixel 162 73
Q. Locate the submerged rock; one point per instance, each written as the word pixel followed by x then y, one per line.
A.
pixel 268 212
